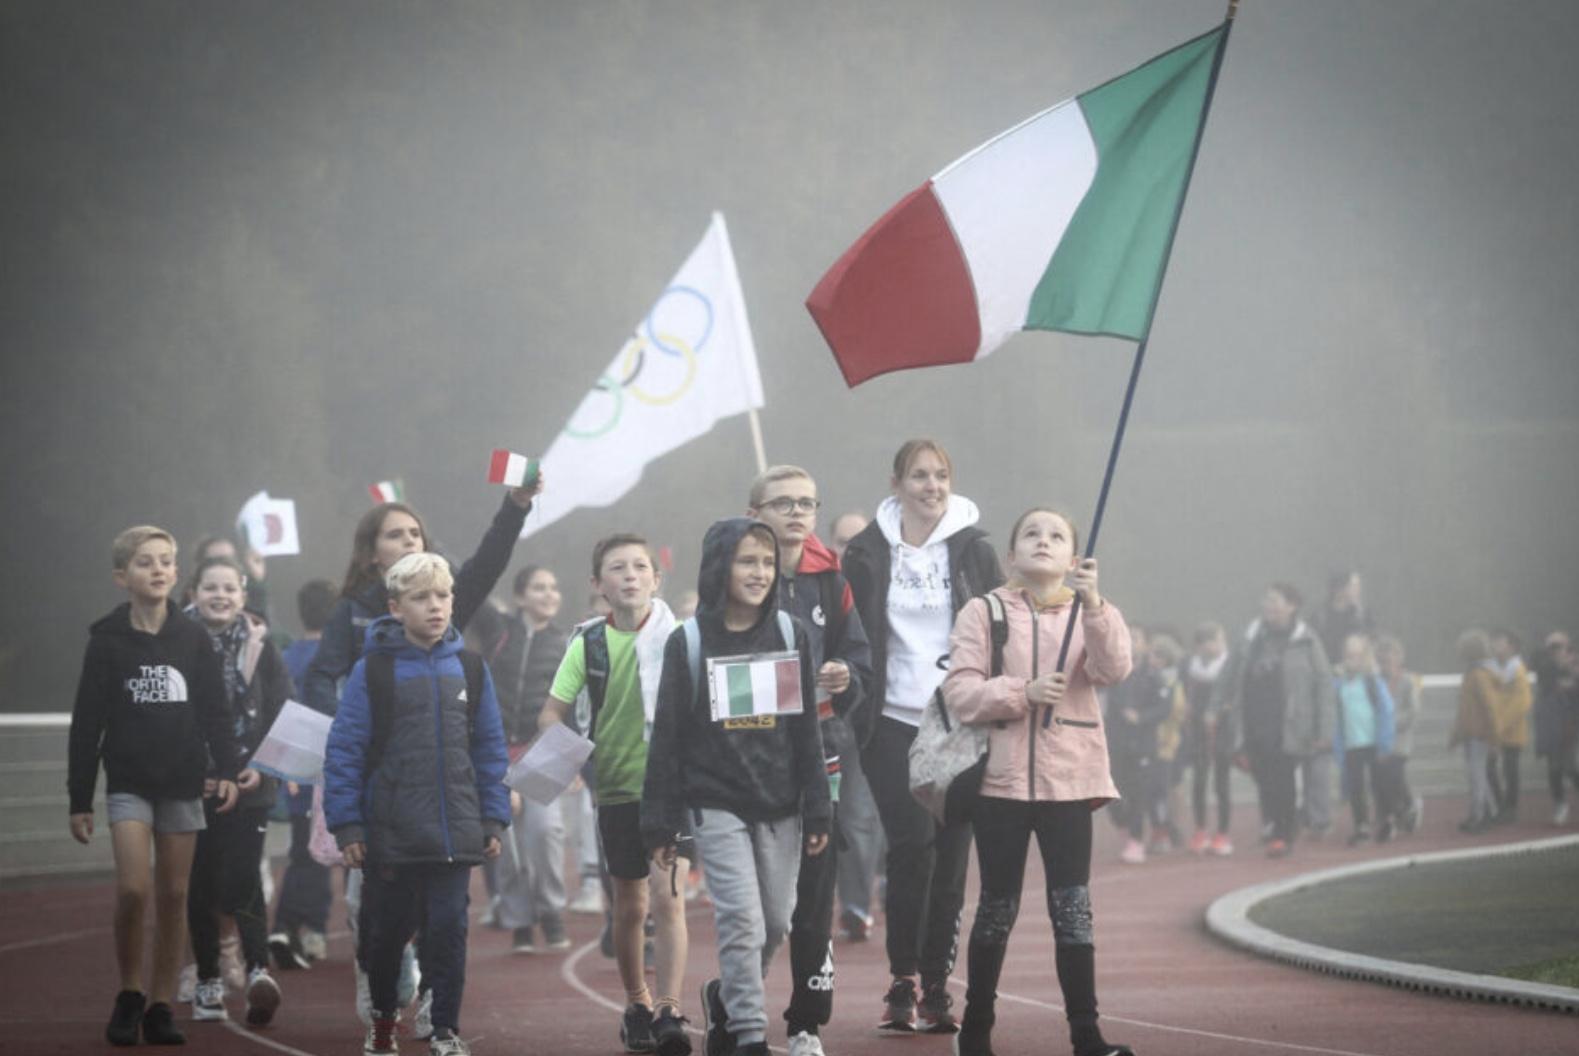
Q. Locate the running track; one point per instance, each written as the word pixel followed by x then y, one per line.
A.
pixel 1166 986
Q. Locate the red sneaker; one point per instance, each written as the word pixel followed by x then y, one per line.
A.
pixel 1199 842
pixel 1277 849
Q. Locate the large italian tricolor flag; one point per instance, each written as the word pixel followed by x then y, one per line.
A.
pixel 1063 222
pixel 746 686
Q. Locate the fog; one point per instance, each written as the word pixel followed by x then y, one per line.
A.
pixel 306 247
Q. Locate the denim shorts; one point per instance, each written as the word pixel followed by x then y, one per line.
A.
pixel 162 815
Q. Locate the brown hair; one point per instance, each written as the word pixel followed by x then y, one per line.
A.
pixel 911 448
pixel 126 545
pixel 363 569
pixel 1074 529
pixel 612 542
pixel 216 562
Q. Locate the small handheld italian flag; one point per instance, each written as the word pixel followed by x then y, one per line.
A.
pixel 746 686
pixel 387 491
pixel 511 469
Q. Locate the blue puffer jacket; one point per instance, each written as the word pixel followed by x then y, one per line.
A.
pixel 437 792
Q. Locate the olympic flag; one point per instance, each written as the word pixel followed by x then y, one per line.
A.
pixel 690 362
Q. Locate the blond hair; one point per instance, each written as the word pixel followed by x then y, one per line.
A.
pixel 419 571
pixel 772 475
pixel 131 540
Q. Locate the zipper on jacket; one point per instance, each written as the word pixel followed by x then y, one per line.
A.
pixel 438 729
pixel 1036 663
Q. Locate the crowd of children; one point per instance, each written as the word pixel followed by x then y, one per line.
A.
pixel 763 740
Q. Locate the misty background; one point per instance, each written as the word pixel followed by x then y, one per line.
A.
pixel 310 246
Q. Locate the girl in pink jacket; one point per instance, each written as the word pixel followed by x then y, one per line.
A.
pixel 1045 777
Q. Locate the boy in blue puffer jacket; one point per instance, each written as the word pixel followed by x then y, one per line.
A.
pixel 414 792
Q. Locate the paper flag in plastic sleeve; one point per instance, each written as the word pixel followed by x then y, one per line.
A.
pixel 294 747
pixel 548 767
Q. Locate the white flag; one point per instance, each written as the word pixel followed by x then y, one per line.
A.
pixel 293 749
pixel 690 362
pixel 269 525
pixel 548 767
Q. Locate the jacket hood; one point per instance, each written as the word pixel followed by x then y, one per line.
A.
pixel 961 513
pixel 718 553
pixel 815 558
pixel 386 635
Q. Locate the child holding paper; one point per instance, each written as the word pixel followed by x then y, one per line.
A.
pixel 225 868
pixel 617 660
pixel 151 706
pixel 414 794
pixel 751 787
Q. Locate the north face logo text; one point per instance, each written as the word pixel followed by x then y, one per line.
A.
pixel 157 684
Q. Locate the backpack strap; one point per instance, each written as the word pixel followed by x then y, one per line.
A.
pixel 693 652
pixel 1000 631
pixel 380 672
pixel 787 628
pixel 830 591
pixel 595 651
pixel 472 666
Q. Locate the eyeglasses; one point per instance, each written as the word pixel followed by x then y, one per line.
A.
pixel 784 505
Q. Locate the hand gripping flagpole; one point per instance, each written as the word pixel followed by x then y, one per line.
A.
pixel 1140 349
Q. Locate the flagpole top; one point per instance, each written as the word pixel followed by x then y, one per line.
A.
pixel 1233 9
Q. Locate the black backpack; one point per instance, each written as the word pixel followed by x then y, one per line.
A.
pixel 381 698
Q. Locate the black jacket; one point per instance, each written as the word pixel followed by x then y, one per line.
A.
pixel 761 770
pixel 153 707
pixel 344 637
pixel 973 570
pixel 524 663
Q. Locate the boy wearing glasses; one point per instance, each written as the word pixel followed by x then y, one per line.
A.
pixel 812 588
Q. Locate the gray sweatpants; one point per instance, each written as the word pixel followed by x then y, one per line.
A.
pixel 751 870
pixel 531 871
pixel 1316 780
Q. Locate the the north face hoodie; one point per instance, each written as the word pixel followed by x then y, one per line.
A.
pixel 153 708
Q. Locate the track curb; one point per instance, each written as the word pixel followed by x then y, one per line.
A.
pixel 1229 919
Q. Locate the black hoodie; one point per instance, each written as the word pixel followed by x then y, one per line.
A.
pixel 153 707
pixel 759 773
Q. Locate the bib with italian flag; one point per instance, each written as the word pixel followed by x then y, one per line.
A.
pixel 743 687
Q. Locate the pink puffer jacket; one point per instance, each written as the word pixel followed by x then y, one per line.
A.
pixel 1067 759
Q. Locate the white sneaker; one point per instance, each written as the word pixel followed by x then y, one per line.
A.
pixel 364 998
pixel 186 986
pixel 208 1000
pixel 805 1044
pixel 450 1046
pixel 231 967
pixel 588 900
pixel 1560 815
pixel 263 997
pixel 313 944
pixel 422 1017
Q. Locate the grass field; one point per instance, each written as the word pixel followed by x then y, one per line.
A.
pixel 1515 915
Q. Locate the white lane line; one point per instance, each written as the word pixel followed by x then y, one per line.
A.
pixel 50 940
pixel 1285 1045
pixel 252 1036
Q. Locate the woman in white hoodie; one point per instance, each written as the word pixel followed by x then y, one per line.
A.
pixel 911 570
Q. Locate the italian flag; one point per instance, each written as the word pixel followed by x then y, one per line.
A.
pixel 742 687
pixel 1063 222
pixel 386 491
pixel 507 467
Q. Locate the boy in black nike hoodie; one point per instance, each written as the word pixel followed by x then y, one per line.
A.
pixel 151 704
pixel 749 787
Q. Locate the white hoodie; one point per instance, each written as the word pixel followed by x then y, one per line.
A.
pixel 920 608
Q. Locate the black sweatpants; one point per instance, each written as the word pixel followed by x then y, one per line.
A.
pixel 304 890
pixel 225 879
pixel 1361 769
pixel 811 939
pixel 926 862
pixel 1274 772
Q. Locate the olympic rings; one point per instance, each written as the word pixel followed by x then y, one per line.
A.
pixel 635 349
pixel 707 328
pixel 633 359
pixel 618 392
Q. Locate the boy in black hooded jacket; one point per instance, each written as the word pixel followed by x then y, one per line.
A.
pixel 751 785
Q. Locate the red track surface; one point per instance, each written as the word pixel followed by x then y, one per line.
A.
pixel 1166 986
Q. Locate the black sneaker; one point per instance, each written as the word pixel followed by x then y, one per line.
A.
pixel 932 1012
pixel 899 1007
pixel 122 1030
pixel 1089 1042
pixel 668 1033
pixel 554 937
pixel 159 1026
pixel 973 1042
pixel 636 1029
pixel 715 1020
pixel 521 940
pixel 1359 836
pixel 287 958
